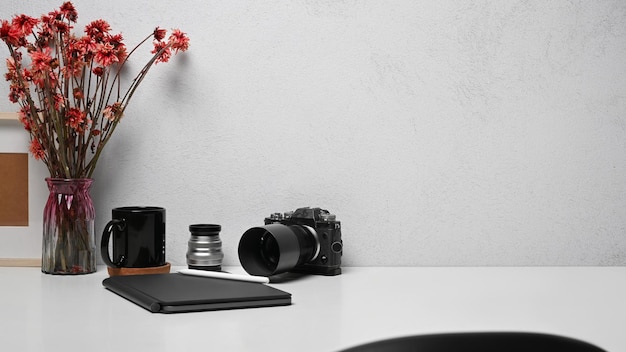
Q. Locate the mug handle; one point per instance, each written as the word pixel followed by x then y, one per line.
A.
pixel 104 244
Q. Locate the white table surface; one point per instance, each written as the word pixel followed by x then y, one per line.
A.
pixel 42 312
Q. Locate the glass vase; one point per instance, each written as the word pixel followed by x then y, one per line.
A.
pixel 68 228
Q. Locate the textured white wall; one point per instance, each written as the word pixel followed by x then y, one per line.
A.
pixel 439 132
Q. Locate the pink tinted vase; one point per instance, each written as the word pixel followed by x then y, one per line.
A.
pixel 68 228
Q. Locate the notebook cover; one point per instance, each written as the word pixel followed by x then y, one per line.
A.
pixel 177 293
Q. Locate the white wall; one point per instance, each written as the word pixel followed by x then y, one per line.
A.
pixel 439 132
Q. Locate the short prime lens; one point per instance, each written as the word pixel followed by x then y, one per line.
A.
pixel 277 248
pixel 205 247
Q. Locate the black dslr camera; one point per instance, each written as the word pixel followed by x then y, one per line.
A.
pixel 307 240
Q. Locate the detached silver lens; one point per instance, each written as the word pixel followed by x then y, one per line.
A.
pixel 205 247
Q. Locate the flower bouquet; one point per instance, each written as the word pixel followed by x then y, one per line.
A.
pixel 71 98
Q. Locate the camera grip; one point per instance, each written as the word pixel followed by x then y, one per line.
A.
pixel 104 243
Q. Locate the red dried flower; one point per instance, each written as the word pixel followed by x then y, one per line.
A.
pixel 5 29
pixel 121 53
pixel 159 34
pixel 179 40
pixel 49 19
pixel 78 93
pixel 10 34
pixel 41 59
pixel 24 115
pixel 87 45
pixel 106 55
pixel 36 149
pixel 73 68
pixel 163 50
pixel 27 75
pixel 97 29
pixel 75 118
pixel 11 67
pixel 24 24
pixel 113 112
pixel 69 11
pixel 44 80
pixel 15 94
pixel 115 40
pixel 98 71
pixel 120 49
pixel 59 101
pixel 62 27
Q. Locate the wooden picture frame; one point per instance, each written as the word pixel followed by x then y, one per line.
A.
pixel 8 116
pixel 21 245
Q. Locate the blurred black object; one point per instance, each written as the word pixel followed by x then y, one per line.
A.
pixel 479 342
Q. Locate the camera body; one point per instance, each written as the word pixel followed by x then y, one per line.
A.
pixel 307 240
pixel 325 228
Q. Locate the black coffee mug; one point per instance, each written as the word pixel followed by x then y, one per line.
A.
pixel 138 235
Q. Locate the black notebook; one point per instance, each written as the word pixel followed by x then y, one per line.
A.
pixel 177 293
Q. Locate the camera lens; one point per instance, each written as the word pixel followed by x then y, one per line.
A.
pixel 205 247
pixel 277 248
pixel 269 249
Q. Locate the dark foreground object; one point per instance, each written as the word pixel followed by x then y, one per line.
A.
pixel 479 342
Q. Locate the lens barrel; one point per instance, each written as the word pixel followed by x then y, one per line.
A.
pixel 205 247
pixel 277 248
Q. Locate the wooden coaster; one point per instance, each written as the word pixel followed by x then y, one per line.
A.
pixel 164 269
